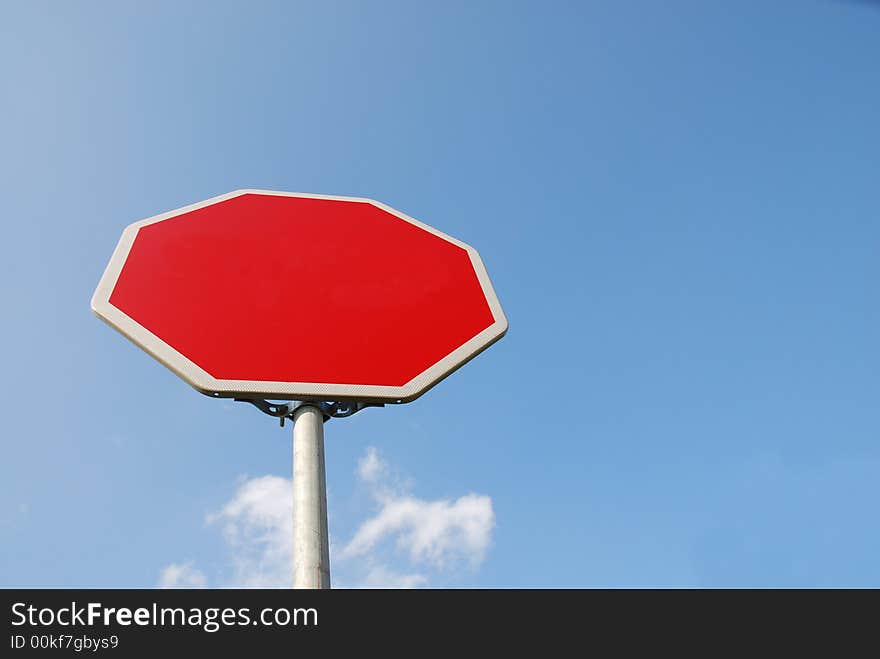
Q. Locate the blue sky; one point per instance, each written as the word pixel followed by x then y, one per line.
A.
pixel 677 202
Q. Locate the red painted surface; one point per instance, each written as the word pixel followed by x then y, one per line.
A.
pixel 287 289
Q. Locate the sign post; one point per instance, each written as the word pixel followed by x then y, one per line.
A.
pixel 311 540
pixel 395 306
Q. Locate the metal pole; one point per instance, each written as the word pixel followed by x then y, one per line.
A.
pixel 311 543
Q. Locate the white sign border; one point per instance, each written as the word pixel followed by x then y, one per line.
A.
pixel 207 384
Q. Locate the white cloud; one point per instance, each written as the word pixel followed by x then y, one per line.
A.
pixel 398 547
pixel 370 467
pixel 257 524
pixel 438 533
pixel 380 576
pixel 181 575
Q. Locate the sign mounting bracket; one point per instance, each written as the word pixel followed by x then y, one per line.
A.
pixel 330 409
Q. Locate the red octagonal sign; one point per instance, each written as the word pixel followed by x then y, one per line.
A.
pixel 296 296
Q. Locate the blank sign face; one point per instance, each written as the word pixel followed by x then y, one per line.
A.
pixel 268 294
